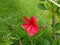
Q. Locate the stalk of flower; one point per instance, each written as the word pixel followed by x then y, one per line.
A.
pixel 43 26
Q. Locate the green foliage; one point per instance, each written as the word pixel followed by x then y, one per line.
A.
pixel 42 0
pixel 42 6
pixel 57 35
pixel 58 12
pixel 11 13
pixel 57 26
pixel 54 42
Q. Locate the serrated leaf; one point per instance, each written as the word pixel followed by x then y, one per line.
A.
pixel 42 6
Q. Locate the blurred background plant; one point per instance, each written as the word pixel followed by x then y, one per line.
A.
pixel 11 13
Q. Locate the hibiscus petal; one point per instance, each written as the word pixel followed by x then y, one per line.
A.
pixel 25 26
pixel 25 19
pixel 30 33
pixel 33 19
pixel 33 30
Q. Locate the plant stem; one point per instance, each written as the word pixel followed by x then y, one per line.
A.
pixel 20 43
pixel 53 21
pixel 43 26
pixel 53 24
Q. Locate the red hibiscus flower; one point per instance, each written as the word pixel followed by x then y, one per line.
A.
pixel 30 26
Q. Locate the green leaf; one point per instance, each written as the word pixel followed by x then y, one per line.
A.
pixel 58 1
pixel 54 42
pixel 57 26
pixel 46 42
pixel 58 12
pixel 58 31
pixel 42 6
pixel 42 0
pixel 57 35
